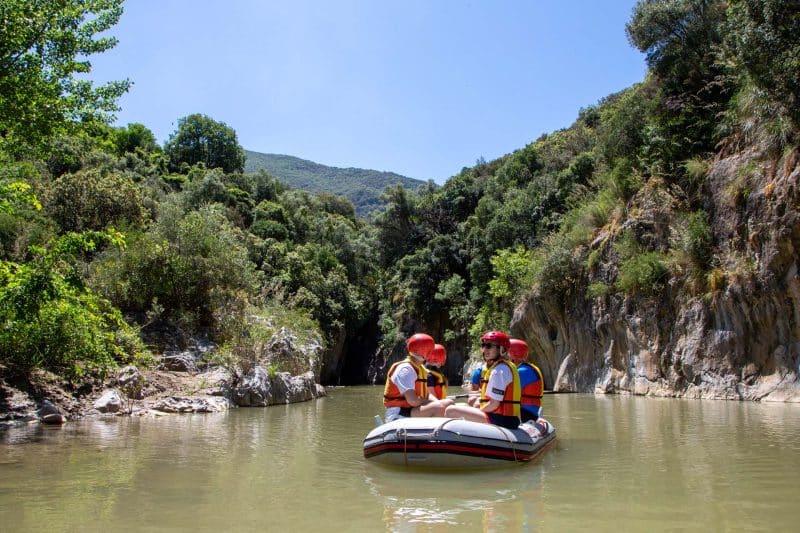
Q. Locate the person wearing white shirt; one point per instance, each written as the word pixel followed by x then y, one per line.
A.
pixel 406 391
pixel 500 387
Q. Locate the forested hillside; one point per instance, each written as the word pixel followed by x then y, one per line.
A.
pixel 650 247
pixel 362 187
pixel 647 248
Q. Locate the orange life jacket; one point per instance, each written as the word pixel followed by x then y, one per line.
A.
pixel 509 405
pixel 391 394
pixel 437 383
pixel 532 392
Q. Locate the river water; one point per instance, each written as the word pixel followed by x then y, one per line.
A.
pixel 619 463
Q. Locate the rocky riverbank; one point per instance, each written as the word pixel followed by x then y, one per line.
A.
pixel 180 383
pixel 43 397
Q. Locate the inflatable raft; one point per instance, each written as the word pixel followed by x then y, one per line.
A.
pixel 455 443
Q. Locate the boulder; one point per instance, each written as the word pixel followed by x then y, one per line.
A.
pixel 131 381
pixel 285 351
pixel 109 402
pixel 180 362
pixel 175 404
pixel 259 388
pixel 49 413
pixel 54 419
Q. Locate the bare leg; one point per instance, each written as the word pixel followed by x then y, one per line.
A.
pixel 436 408
pixel 466 412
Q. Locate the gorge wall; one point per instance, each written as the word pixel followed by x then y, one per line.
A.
pixel 736 338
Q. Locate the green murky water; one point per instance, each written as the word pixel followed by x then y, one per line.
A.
pixel 619 464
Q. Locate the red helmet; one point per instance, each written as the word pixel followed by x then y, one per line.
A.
pixel 420 344
pixel 517 350
pixel 497 337
pixel 437 356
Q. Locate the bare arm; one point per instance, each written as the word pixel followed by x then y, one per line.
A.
pixel 414 399
pixel 491 406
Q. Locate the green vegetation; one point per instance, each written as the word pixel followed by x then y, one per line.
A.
pixel 640 271
pixel 52 320
pixel 362 187
pixel 201 139
pixel 44 45
pixel 249 345
pixel 547 221
pixel 213 240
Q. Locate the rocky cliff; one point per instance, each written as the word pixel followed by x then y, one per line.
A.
pixel 734 333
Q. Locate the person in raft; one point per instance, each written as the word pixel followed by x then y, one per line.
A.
pixel 500 389
pixel 475 387
pixel 437 381
pixel 531 381
pixel 406 391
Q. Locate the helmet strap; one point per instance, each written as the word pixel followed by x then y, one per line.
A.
pixel 492 359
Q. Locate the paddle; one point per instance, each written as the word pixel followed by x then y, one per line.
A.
pixel 462 396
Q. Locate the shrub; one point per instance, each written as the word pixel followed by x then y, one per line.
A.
pixel 185 262
pixel 249 331
pixel 269 229
pixel 753 118
pixel 624 181
pixel 598 289
pixel 599 211
pixel 556 269
pixel 623 119
pixel 51 320
pixel 270 221
pixel 644 272
pixel 695 172
pixel 698 240
pixel 513 273
pixel 762 37
pixel 639 270
pixel 91 200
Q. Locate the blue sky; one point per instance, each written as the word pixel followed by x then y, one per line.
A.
pixel 418 87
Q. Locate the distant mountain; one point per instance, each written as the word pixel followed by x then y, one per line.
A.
pixel 362 187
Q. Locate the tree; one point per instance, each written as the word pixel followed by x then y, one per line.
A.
pixel 682 41
pixel 135 136
pixel 201 139
pixel 398 231
pixel 43 45
pixel 189 264
pixel 763 37
pixel 678 36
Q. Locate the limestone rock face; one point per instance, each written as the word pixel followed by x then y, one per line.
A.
pixel 738 338
pixel 259 388
pixel 285 351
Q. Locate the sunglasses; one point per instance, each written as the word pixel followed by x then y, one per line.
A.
pixel 489 345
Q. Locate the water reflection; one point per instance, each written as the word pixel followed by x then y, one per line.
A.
pixel 619 462
pixel 508 499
